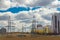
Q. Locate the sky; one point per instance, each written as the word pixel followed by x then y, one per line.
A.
pixel 22 11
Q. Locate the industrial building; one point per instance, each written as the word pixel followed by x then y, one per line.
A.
pixel 56 23
pixel 39 29
pixel 48 29
pixel 2 31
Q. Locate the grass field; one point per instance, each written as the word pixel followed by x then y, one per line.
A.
pixel 29 37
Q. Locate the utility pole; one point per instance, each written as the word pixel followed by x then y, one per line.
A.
pixel 22 28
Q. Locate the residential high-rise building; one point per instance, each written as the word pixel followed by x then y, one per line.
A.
pixel 56 22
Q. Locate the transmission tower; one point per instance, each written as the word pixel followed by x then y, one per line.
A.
pixel 34 25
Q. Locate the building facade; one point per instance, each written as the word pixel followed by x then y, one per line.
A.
pixel 56 22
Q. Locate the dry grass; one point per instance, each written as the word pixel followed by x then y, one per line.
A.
pixel 35 37
pixel 30 38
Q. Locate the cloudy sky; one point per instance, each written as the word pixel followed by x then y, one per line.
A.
pixel 22 11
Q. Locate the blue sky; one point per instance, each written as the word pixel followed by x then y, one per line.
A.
pixel 18 9
pixel 58 9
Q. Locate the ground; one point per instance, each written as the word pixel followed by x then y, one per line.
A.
pixel 29 37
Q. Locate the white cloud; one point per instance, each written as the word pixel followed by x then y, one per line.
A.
pixel 26 16
pixel 4 4
pixel 54 4
pixel 34 2
pixel 15 22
